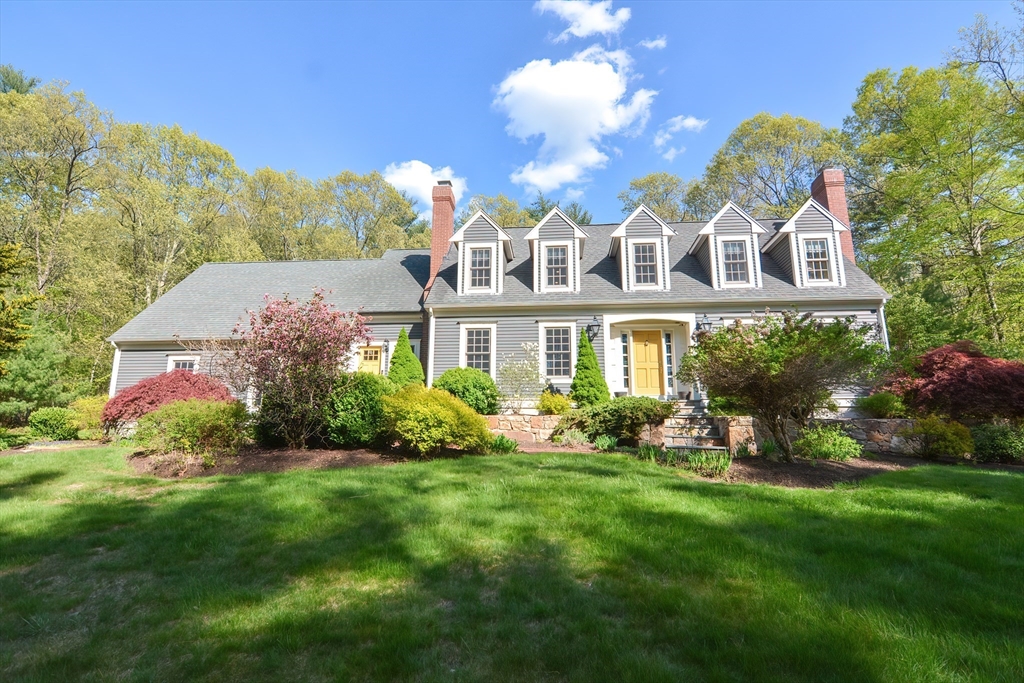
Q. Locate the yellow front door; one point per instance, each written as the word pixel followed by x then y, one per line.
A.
pixel 369 359
pixel 647 363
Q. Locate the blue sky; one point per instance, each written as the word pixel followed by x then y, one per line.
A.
pixel 506 96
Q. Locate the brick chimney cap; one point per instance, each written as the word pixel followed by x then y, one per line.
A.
pixel 444 182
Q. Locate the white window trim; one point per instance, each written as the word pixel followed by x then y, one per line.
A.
pixel 630 243
pixel 542 345
pixel 570 252
pixel 463 328
pixel 745 239
pixel 833 267
pixel 467 266
pixel 172 359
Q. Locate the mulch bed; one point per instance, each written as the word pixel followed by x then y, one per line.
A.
pixel 813 474
pixel 258 460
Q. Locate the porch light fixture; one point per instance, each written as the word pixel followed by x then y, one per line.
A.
pixel 593 327
pixel 704 324
pixel 386 346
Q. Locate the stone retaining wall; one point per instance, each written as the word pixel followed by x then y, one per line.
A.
pixel 524 428
pixel 875 435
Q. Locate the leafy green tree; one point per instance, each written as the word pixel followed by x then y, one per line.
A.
pixel 14 80
pixel 505 211
pixel 663 193
pixel 766 165
pixel 13 329
pixel 588 387
pixel 405 366
pixel 938 202
pixel 782 368
pixel 540 207
pixel 369 210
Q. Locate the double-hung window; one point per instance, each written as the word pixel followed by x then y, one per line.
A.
pixel 734 261
pixel 558 351
pixel 816 260
pixel 557 266
pixel 480 268
pixel 645 264
pixel 478 348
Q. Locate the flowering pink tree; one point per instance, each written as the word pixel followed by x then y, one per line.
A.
pixel 291 353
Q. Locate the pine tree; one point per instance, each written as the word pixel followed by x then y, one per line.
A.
pixel 588 386
pixel 405 366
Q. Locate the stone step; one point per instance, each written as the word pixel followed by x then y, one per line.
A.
pixel 687 421
pixel 686 441
pixel 697 448
pixel 703 430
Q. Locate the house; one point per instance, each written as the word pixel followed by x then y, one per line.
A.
pixel 639 288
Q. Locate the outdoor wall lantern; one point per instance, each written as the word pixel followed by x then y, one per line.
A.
pixel 593 327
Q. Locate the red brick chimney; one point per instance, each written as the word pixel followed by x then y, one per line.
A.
pixel 829 190
pixel 442 225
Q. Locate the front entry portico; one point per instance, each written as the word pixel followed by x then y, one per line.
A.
pixel 642 353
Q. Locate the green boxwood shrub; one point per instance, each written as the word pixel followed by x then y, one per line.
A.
pixel 473 387
pixel 553 404
pixel 883 404
pixel 426 420
pixel 59 424
pixel 13 438
pixel 998 443
pixel 933 438
pixel 354 412
pixel 623 417
pixel 588 387
pixel 826 442
pixel 405 367
pixel 193 427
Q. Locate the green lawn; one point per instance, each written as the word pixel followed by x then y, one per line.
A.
pixel 535 567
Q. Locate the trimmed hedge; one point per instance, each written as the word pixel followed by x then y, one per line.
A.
pixel 194 427
pixel 354 414
pixel 473 387
pixel 59 424
pixel 427 420
pixel 149 394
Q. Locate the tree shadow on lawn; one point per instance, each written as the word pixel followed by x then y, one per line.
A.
pixel 24 485
pixel 452 573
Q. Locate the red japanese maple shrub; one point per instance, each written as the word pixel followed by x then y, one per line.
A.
pixel 150 394
pixel 959 380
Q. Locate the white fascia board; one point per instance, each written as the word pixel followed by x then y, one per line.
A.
pixel 837 225
pixel 755 227
pixel 665 230
pixel 695 247
pixel 577 231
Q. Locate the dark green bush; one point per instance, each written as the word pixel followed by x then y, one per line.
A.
pixel 588 386
pixel 622 417
pixel 405 366
pixel 427 420
pixel 998 443
pixel 473 387
pixel 826 442
pixel 59 424
pixel 883 404
pixel 354 412
pixel 193 427
pixel 932 438
pixel 720 405
pixel 10 438
pixel 503 445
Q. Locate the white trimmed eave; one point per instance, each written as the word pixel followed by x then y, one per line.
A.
pixel 755 227
pixel 503 236
pixel 620 231
pixel 577 231
pixel 790 225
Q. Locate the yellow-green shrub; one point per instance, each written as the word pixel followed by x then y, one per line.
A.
pixel 427 420
pixel 554 404
pixel 194 427
pixel 89 411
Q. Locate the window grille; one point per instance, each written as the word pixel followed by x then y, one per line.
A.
pixel 816 255
pixel 558 266
pixel 558 351
pixel 645 264
pixel 480 268
pixel 734 256
pixel 478 349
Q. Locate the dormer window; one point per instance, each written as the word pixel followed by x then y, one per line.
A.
pixel 645 264
pixel 734 257
pixel 816 259
pixel 557 266
pixel 480 268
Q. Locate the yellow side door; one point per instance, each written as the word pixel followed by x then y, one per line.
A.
pixel 369 359
pixel 647 363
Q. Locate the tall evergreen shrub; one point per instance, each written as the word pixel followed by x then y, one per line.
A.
pixel 588 386
pixel 405 366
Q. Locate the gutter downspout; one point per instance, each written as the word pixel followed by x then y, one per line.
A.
pixel 885 328
pixel 430 348
pixel 113 371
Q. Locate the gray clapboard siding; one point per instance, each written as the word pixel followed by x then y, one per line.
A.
pixel 813 220
pixel 137 365
pixel 481 231
pixel 643 225
pixel 704 256
pixel 556 229
pixel 783 256
pixel 732 223
pixel 510 335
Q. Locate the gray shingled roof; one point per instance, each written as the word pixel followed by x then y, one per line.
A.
pixel 209 302
pixel 600 284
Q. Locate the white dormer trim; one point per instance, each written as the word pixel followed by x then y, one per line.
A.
pixel 753 270
pixel 577 231
pixel 790 225
pixel 464 280
pixel 796 248
pixel 572 260
pixel 709 229
pixel 660 248
pixel 621 230
pixel 503 237
pixel 714 242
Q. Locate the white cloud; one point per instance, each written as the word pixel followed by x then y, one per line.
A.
pixel 585 18
pixel 659 43
pixel 668 129
pixel 573 193
pixel 573 104
pixel 418 180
